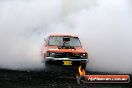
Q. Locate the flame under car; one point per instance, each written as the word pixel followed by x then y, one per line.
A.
pixel 63 53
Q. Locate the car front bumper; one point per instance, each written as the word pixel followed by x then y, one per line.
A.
pixel 64 64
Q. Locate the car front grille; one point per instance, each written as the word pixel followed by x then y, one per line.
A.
pixel 67 55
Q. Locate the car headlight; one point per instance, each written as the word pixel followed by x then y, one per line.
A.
pixel 50 54
pixel 84 55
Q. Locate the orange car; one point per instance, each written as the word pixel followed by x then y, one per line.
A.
pixel 63 53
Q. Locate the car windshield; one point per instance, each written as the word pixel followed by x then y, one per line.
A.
pixel 59 41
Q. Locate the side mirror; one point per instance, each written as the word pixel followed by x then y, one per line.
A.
pixel 45 42
pixel 44 39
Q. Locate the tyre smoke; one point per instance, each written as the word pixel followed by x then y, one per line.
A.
pixel 104 27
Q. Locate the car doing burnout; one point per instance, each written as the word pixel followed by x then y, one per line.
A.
pixel 63 53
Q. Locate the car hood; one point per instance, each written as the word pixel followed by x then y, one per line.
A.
pixel 75 50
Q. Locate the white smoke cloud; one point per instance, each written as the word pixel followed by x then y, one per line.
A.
pixel 104 27
pixel 21 24
pixel 106 31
